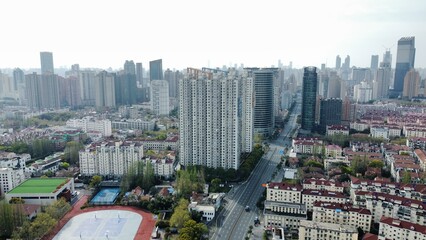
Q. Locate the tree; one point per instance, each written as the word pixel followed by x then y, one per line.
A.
pixel 406 177
pixel 376 163
pixel 58 209
pixel 64 165
pixel 148 178
pixel 192 230
pixel 95 181
pixel 16 200
pixel 215 185
pixel 71 151
pixel 41 225
pixel 11 217
pixel 180 214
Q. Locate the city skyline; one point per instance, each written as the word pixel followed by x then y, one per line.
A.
pixel 188 34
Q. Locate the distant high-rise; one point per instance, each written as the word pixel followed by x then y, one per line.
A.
pixel 334 86
pixel 18 78
pixel 264 118
pixel 46 60
pixel 404 62
pixel 171 77
pixel 347 63
pixel 309 93
pixel 387 58
pixel 87 87
pixel 69 91
pixel 330 113
pixel 215 117
pixel 105 89
pixel 411 84
pixel 42 91
pixel 160 102
pixel 139 74
pixel 374 62
pixel 156 70
pixel 383 78
pixel 129 67
pixel 338 62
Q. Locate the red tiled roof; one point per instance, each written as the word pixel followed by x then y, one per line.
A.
pixel 403 224
pixel 347 207
pixel 285 186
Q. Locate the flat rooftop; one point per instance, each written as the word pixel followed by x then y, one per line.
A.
pixel 39 185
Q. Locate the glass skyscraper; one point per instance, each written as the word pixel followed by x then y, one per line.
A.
pixel 404 62
pixel 156 70
pixel 309 93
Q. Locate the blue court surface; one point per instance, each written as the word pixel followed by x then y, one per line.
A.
pixel 106 196
pixel 105 224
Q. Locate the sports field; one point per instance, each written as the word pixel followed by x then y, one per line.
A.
pixel 39 185
pixel 106 224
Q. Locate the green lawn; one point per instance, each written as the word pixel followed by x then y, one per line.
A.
pixel 39 185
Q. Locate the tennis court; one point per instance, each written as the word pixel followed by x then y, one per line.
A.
pixel 106 196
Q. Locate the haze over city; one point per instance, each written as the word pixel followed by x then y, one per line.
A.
pixel 217 33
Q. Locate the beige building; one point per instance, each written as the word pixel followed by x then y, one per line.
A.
pixel 391 228
pixel 281 214
pixel 311 196
pixel 326 231
pixel 411 84
pixel 342 214
pixel 322 184
pixel 283 192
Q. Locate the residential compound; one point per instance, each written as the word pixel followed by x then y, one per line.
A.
pixel 12 170
pixel 216 117
pixel 110 158
pixel 90 124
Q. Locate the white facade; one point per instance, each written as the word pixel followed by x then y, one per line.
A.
pixel 89 124
pixel 216 118
pixel 207 210
pixel 163 167
pixel 10 178
pixel 160 103
pixel 110 158
pixel 363 92
pixel 395 229
pixel 379 132
pixel 326 231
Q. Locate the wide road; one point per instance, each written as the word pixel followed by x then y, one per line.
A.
pixel 233 221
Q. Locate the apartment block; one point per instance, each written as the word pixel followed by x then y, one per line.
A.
pixel 326 231
pixel 391 228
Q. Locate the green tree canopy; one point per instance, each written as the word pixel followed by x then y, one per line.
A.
pixel 180 214
pixel 95 181
pixel 192 230
pixel 376 163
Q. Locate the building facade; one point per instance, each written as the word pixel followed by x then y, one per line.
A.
pixel 404 61
pixel 309 97
pixel 160 102
pixel 215 122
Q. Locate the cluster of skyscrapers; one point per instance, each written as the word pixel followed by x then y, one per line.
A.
pixel 328 92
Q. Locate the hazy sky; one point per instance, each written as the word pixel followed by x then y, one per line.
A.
pixel 195 33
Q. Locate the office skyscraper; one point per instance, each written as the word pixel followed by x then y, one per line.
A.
pixel 374 63
pixel 139 73
pixel 338 62
pixel 129 67
pixel 216 117
pixel 156 70
pixel 404 62
pixel 411 84
pixel 383 78
pixel 160 97
pixel 309 93
pixel 330 113
pixel 264 118
pixel 46 59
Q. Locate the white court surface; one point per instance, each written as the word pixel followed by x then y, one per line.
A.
pixel 105 224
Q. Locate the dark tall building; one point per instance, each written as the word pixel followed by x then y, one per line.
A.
pixel 338 62
pixel 404 62
pixel 139 73
pixel 129 67
pixel 125 85
pixel 171 77
pixel 264 99
pixel 330 113
pixel 46 60
pixel 309 93
pixel 156 70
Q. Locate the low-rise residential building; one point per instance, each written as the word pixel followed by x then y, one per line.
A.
pixel 386 205
pixel 333 151
pixel 420 155
pixel 322 184
pixel 89 124
pixel 163 167
pixel 170 143
pixel 342 214
pixel 326 231
pixel 337 129
pixel 416 142
pixel 330 161
pixel 391 228
pixel 283 192
pixel 310 196
pixel 282 214
pixel 134 124
pixel 10 178
pixel 418 132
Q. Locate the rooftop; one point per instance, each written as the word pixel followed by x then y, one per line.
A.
pixel 39 185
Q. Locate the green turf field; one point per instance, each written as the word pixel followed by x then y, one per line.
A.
pixel 39 185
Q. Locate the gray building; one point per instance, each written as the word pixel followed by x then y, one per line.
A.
pixel 404 62
pixel 330 113
pixel 156 70
pixel 46 60
pixel 374 62
pixel 309 97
